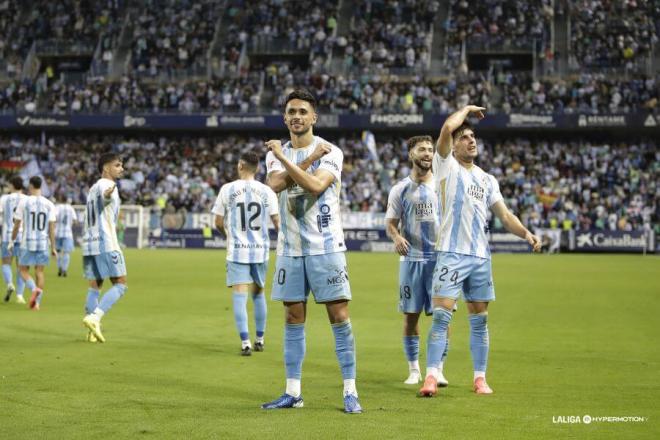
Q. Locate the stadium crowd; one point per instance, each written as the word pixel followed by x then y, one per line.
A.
pixel 613 33
pixel 548 183
pixel 173 35
pixel 391 33
pixel 520 92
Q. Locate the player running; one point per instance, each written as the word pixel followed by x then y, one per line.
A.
pixel 306 174
pixel 241 213
pixel 8 204
pixel 466 193
pixel 413 219
pixel 102 256
pixel 66 218
pixel 37 215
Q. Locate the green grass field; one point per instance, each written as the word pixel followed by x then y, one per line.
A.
pixel 570 335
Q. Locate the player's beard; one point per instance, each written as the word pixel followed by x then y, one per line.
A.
pixel 419 164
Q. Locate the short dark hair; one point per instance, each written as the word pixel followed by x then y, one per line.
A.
pixel 35 181
pixel 107 158
pixel 459 131
pixel 413 141
pixel 251 159
pixel 16 182
pixel 302 94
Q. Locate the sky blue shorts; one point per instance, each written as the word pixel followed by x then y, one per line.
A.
pixel 458 272
pixel 416 286
pixel 64 244
pixel 326 276
pixel 33 258
pixel 105 265
pixel 5 251
pixel 246 273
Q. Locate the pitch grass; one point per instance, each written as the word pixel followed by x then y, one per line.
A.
pixel 570 335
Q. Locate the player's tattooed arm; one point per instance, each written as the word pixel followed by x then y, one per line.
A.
pixel 445 142
pixel 314 183
pixel 51 234
pixel 14 233
pixel 220 225
pixel 276 222
pixel 512 224
pixel 400 244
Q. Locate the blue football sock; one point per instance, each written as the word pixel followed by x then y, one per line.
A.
pixel 479 341
pixel 65 260
pixel 92 301
pixel 6 273
pixel 112 296
pixel 20 283
pixel 345 348
pixel 437 336
pixel 59 261
pixel 294 350
pixel 240 315
pixel 260 313
pixel 411 347
pixel 444 353
pixel 30 284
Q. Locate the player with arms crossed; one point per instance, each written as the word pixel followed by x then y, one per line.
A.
pixel 241 214
pixel 37 215
pixel 413 219
pixel 466 193
pixel 8 204
pixel 306 174
pixel 66 218
pixel 102 256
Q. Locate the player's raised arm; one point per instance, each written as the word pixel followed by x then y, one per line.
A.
pixel 512 224
pixel 314 183
pixel 455 120
pixel 280 180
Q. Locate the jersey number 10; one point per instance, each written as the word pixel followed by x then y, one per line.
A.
pixel 38 221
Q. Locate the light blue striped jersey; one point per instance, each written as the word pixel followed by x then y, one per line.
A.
pixel 8 204
pixel 310 224
pixel 246 206
pixel 466 195
pixel 36 213
pixel 66 215
pixel 100 219
pixel 416 206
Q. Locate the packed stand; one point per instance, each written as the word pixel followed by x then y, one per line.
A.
pixel 18 95
pixel 559 184
pixel 373 93
pixel 586 94
pixel 292 24
pixel 494 24
pixel 613 33
pixel 173 35
pixel 389 33
pixel 10 63
pixel 130 94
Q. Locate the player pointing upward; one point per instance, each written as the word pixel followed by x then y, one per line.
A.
pixel 102 256
pixel 466 193
pixel 306 174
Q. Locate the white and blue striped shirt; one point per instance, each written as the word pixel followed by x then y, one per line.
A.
pixel 8 205
pixel 100 220
pixel 246 206
pixel 466 195
pixel 35 213
pixel 66 215
pixel 416 206
pixel 310 225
